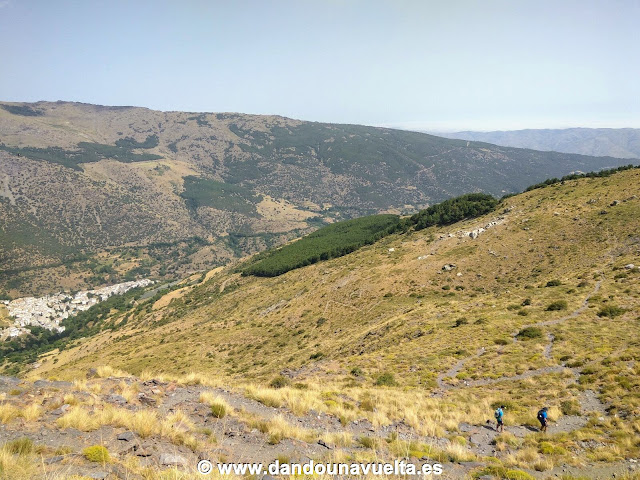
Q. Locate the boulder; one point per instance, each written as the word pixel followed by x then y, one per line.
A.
pixel 170 459
pixel 116 399
pixel 126 436
pixel 147 400
pixel 478 439
pixel 62 410
pixel 141 451
pixel 51 460
pixel 99 475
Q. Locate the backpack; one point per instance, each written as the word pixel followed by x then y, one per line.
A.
pixel 541 415
pixel 497 414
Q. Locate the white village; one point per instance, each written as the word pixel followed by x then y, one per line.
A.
pixel 49 311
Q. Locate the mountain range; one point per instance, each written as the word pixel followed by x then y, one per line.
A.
pixel 93 195
pixel 615 142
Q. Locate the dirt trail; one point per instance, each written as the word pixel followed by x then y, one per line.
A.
pixel 453 371
pixel 237 440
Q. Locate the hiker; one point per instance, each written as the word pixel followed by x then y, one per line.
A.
pixel 542 418
pixel 499 414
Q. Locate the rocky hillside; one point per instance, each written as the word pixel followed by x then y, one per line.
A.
pixel 110 425
pixel 615 142
pixel 402 348
pixel 414 303
pixel 94 195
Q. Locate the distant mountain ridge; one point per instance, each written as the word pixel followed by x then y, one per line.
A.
pixel 614 142
pixel 131 192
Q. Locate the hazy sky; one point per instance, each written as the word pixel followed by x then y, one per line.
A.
pixel 440 65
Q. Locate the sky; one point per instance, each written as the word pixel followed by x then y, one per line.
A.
pixel 424 65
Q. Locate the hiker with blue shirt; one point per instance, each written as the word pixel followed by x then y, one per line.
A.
pixel 499 414
pixel 542 418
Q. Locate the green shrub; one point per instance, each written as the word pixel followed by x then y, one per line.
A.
pixel 96 453
pixel 20 446
pixel 279 382
pixel 386 379
pixel 554 283
pixel 526 302
pixel 275 438
pixel 501 341
pixel 367 404
pixel 558 305
pixel 461 321
pixel 367 442
pixel 498 471
pixel 518 475
pixel 522 312
pixel 611 311
pixel 529 332
pixel 570 407
pixel 547 448
pixel 357 372
pixel 218 410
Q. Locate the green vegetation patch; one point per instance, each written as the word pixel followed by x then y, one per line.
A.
pixel 23 110
pixel 611 311
pixel 453 210
pixel 87 152
pixel 20 446
pixel 328 242
pixel 557 305
pixel 575 176
pixel 529 332
pixel 218 410
pixel 97 454
pixel 203 192
pixel 345 237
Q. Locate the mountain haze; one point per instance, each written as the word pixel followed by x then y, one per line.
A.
pixel 615 142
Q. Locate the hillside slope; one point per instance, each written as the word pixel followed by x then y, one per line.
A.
pixel 400 349
pixel 616 142
pixel 414 303
pixel 91 194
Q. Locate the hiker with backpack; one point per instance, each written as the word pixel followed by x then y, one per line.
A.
pixel 499 414
pixel 542 418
